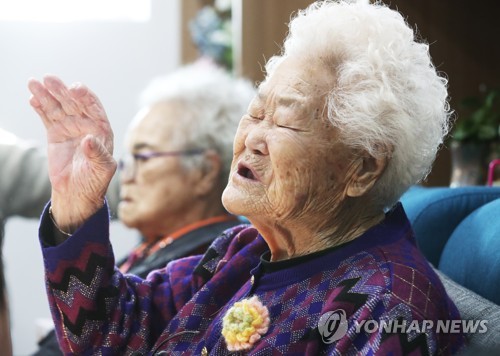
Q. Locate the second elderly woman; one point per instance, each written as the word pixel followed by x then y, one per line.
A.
pixel 350 115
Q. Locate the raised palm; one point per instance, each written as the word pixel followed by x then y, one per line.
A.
pixel 80 148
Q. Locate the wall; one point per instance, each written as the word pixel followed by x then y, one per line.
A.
pixel 264 26
pixel 116 60
pixel 463 38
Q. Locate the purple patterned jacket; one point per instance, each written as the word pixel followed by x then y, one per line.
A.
pixel 379 277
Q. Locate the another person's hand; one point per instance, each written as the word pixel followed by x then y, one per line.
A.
pixel 80 149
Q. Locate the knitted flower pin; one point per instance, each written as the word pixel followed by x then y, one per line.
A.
pixel 244 323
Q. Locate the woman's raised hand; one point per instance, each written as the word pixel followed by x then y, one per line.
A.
pixel 80 148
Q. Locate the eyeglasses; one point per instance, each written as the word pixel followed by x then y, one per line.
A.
pixel 128 164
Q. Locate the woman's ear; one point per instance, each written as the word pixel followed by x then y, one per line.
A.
pixel 209 174
pixel 367 171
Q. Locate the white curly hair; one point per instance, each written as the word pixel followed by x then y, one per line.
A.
pixel 387 93
pixel 213 102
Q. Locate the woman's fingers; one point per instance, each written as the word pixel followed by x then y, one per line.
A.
pixel 36 105
pixel 46 102
pixel 87 102
pixel 59 101
pixel 91 106
pixel 76 108
pixel 59 90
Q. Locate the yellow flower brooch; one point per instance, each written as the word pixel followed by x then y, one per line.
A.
pixel 244 324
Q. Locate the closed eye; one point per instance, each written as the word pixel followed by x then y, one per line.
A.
pixel 291 128
pixel 255 117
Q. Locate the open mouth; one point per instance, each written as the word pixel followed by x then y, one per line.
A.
pixel 246 172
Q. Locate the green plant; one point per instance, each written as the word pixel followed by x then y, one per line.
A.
pixel 482 124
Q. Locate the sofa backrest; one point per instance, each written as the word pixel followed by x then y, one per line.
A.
pixel 435 212
pixel 471 256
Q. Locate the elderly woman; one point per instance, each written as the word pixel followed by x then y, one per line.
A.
pixel 349 116
pixel 177 166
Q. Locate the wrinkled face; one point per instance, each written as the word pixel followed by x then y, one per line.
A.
pixel 161 191
pixel 288 163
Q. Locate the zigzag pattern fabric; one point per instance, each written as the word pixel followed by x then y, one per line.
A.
pixel 378 277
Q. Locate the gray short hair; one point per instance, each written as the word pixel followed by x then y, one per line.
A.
pixel 387 91
pixel 214 103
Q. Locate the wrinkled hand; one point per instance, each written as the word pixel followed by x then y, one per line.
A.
pixel 80 148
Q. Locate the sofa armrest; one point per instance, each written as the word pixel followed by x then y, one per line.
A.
pixel 474 307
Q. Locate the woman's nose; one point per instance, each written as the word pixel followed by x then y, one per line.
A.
pixel 125 178
pixel 126 170
pixel 256 139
